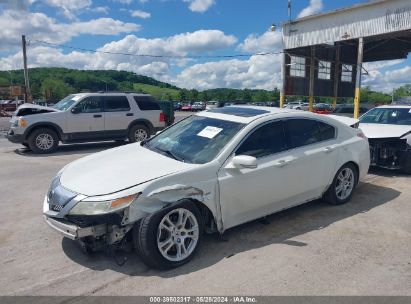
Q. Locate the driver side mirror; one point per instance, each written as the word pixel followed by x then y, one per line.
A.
pixel 243 161
pixel 75 110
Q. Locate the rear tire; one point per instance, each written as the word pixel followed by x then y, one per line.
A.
pixel 138 133
pixel 163 241
pixel 343 185
pixel 43 140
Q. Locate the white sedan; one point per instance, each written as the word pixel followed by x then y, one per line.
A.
pixel 209 172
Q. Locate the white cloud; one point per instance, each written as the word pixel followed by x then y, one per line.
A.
pixel 70 8
pixel 16 4
pixel 100 9
pixel 41 27
pixel 159 68
pixel 314 7
pixel 258 72
pixel 199 6
pixel 140 14
pixel 267 42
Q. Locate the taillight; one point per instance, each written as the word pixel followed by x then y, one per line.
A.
pixel 162 117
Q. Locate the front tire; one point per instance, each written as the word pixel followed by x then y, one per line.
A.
pixel 43 140
pixel 343 185
pixel 170 237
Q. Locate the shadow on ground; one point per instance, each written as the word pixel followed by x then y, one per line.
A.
pixel 73 149
pixel 280 228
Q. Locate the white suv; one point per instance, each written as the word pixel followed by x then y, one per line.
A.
pixel 86 117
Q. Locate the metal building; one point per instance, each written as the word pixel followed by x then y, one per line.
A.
pixel 324 53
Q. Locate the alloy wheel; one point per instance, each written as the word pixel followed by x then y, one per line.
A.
pixel 177 234
pixel 345 183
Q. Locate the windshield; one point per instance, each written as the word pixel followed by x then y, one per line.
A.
pixel 196 140
pixel 65 103
pixel 392 116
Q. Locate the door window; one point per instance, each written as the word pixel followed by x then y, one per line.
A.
pixel 266 140
pixel 303 132
pixel 90 104
pixel 115 103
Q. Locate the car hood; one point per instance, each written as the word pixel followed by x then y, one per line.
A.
pixel 29 109
pixel 117 169
pixel 384 130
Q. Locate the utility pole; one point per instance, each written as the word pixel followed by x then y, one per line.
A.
pixel 27 95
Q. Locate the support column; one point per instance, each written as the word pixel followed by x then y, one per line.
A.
pixel 311 88
pixel 358 78
pixel 336 74
pixel 282 89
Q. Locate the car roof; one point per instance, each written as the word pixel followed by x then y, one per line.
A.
pixel 400 106
pixel 110 94
pixel 245 114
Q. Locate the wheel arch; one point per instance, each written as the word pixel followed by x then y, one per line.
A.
pixel 141 121
pixel 47 125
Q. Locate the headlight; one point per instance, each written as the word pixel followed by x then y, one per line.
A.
pixel 103 207
pixel 22 122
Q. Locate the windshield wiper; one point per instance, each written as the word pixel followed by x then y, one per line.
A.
pixel 172 155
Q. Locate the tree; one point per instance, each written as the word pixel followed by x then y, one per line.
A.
pixel 183 95
pixel 55 89
pixel 4 82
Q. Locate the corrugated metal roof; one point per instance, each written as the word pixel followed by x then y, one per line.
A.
pixel 365 20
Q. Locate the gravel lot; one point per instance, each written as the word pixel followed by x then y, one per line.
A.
pixel 362 248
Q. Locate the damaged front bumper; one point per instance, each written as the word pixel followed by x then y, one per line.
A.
pixel 390 153
pixel 75 232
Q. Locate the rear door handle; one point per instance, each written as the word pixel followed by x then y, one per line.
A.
pixel 129 114
pixel 97 115
pixel 283 163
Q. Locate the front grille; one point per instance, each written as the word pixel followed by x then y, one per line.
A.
pixel 56 208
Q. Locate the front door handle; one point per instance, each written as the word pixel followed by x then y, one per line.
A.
pixel 328 149
pixel 97 115
pixel 129 114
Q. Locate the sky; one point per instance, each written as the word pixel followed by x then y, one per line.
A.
pixel 186 36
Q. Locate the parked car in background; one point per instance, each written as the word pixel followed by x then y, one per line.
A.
pixel 177 106
pixel 194 177
pixel 198 106
pixel 323 108
pixel 212 104
pixel 388 129
pixel 293 105
pixel 10 105
pixel 186 107
pixel 86 117
pixel 304 106
pixel 347 110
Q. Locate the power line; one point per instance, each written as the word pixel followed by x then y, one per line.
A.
pixel 156 56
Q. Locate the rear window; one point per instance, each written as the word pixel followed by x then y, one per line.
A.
pixel 239 111
pixel 115 103
pixel 146 103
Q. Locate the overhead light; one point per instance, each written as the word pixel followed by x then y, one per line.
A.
pixel 273 28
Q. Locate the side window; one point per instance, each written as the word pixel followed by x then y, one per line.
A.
pixel 91 104
pixel 303 132
pixel 327 131
pixel 266 140
pixel 146 103
pixel 115 103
